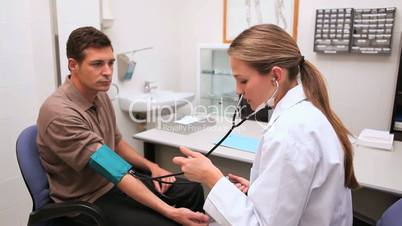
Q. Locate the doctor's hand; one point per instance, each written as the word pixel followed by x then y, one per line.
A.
pixel 187 217
pixel 241 183
pixel 157 171
pixel 197 167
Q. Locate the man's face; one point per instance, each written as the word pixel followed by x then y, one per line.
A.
pixel 95 71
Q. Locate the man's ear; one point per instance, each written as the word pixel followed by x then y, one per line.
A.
pixel 72 64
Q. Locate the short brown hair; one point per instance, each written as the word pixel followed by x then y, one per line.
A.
pixel 83 38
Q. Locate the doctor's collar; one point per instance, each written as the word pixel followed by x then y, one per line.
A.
pixel 291 98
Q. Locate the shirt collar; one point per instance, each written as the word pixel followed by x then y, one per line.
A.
pixel 291 98
pixel 75 96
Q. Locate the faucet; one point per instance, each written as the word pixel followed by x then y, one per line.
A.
pixel 149 86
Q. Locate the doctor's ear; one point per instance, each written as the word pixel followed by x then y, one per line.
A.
pixel 277 73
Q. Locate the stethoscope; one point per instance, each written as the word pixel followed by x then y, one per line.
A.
pixel 269 102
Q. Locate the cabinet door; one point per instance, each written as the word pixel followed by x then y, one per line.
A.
pixel 217 85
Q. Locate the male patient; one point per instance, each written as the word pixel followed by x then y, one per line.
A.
pixel 85 156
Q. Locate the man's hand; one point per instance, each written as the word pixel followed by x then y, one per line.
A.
pixel 241 183
pixel 187 217
pixel 156 171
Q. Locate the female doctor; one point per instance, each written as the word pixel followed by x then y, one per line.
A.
pixel 303 170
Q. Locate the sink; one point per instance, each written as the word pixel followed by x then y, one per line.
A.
pixel 157 99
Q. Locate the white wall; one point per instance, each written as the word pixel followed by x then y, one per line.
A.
pixel 67 21
pixel 138 24
pixel 27 77
pixel 202 23
pixel 361 87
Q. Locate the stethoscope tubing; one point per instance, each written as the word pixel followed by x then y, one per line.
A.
pixel 234 125
pixel 159 178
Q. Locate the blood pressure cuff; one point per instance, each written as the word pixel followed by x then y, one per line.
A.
pixel 109 164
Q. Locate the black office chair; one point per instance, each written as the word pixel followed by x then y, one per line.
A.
pixel 44 211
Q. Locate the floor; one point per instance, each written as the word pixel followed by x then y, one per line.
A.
pixel 357 222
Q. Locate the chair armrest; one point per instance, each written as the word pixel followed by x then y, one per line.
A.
pixel 55 210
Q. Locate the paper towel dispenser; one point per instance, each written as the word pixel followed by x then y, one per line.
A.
pixel 126 64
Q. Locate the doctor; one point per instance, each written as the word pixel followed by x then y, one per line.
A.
pixel 303 170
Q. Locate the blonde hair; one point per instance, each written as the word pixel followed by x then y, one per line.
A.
pixel 266 45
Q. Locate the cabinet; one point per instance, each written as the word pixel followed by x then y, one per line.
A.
pixel 216 86
pixel 396 122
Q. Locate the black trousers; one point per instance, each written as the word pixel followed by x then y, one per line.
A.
pixel 122 210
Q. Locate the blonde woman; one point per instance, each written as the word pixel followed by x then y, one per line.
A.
pixel 303 170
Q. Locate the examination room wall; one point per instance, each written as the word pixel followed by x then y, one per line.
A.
pixel 139 24
pixel 361 86
pixel 26 78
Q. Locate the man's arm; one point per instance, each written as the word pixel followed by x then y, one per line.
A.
pixel 131 156
pixel 137 190
pixel 113 167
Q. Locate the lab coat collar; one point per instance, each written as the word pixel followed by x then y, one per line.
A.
pixel 75 96
pixel 291 98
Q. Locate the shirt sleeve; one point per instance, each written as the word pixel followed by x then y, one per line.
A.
pixel 277 196
pixel 71 139
pixel 106 100
pixel 117 135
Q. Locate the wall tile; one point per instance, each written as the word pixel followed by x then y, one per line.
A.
pixel 5 135
pixel 17 37
pixel 19 72
pixel 6 104
pixel 12 192
pixel 10 128
pixel 3 26
pixel 24 98
pixel 24 198
pixel 17 10
pixel 15 54
pixel 2 11
pixel 20 101
pixel 8 163
pixel 23 213
pixel 9 217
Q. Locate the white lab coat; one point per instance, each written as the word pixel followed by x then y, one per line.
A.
pixel 297 177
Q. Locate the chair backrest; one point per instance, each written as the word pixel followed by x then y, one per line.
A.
pixel 31 168
pixel 392 216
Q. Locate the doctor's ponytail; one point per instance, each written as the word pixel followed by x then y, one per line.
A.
pixel 316 92
pixel 265 46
